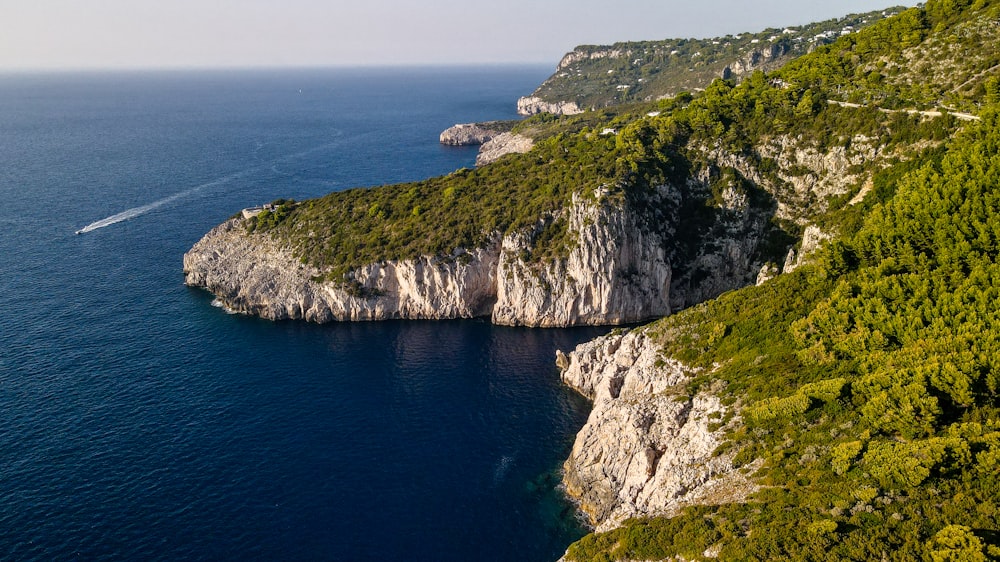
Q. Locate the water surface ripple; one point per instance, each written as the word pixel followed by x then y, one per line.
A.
pixel 137 421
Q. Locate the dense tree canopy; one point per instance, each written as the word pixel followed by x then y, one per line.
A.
pixel 869 382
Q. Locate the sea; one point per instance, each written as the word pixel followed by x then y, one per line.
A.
pixel 140 422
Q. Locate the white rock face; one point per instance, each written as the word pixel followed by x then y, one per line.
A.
pixel 615 271
pixel 758 59
pixel 467 134
pixel 812 239
pixel 727 256
pixel 615 274
pixel 811 173
pixel 575 56
pixel 531 105
pixel 647 448
pixel 828 171
pixel 251 273
pixel 803 181
pixel 502 145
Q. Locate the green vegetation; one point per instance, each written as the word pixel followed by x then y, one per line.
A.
pixel 649 145
pixel 273 214
pixel 527 193
pixel 942 55
pixel 869 383
pixel 500 126
pixel 467 209
pixel 934 57
pixel 600 76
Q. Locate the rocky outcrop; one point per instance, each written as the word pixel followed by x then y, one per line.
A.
pixel 802 181
pixel 531 105
pixel 617 266
pixel 806 175
pixel 252 273
pixel 648 446
pixel 613 274
pixel 764 59
pixel 502 145
pixel 468 134
pixel 812 240
pixel 726 255
pixel 597 76
pixel 821 173
pixel 581 54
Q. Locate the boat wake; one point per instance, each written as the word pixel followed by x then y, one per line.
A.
pixel 142 210
pixel 130 213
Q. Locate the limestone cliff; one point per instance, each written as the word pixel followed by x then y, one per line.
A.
pixel 728 252
pixel 251 273
pixel 725 254
pixel 472 134
pixel 613 273
pixel 806 176
pixel 619 265
pixel 530 105
pixel 812 239
pixel 764 59
pixel 502 145
pixel 596 76
pixel 466 134
pixel 647 448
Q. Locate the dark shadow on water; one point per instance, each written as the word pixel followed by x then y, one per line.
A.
pixel 463 418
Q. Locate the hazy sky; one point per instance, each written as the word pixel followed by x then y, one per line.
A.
pixel 72 34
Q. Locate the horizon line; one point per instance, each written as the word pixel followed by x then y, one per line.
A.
pixel 263 67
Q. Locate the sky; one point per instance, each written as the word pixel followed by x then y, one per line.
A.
pixel 128 34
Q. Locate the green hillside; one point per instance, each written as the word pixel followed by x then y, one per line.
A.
pixel 596 76
pixel 869 382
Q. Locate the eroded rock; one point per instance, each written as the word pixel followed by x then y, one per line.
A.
pixel 648 446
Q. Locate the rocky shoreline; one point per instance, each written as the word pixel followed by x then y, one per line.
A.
pixel 615 274
pixel 470 134
pixel 494 138
pixel 648 446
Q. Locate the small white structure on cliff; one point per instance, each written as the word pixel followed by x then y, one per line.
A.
pixel 254 211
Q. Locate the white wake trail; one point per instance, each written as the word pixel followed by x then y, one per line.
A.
pixel 130 213
pixel 138 211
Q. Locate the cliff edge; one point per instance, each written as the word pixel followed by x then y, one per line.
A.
pixel 613 273
pixel 647 448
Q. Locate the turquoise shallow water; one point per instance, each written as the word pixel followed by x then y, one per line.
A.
pixel 137 421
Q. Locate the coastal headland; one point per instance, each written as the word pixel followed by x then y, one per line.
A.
pixel 810 230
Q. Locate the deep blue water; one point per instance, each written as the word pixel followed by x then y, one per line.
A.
pixel 137 421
